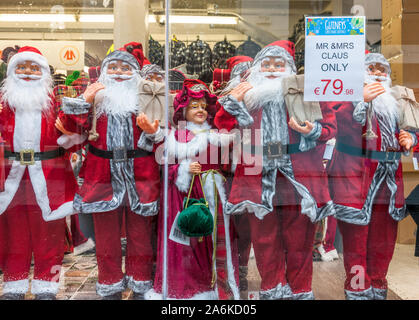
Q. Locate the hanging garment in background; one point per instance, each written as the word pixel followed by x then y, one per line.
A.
pixel 177 53
pixel 199 60
pixel 156 53
pixel 248 48
pixel 221 52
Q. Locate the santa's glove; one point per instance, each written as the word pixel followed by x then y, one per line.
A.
pixel 360 112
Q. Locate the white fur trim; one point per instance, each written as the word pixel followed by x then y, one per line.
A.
pixel 230 267
pixel 86 246
pixel 16 287
pixel 25 56
pixel 11 185
pixel 42 286
pixel 109 289
pixel 184 176
pixel 207 295
pixel 138 286
pixel 62 211
pixel 209 194
pixel 199 142
pixel 39 185
pixel 68 141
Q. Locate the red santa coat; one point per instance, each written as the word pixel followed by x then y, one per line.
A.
pixel 307 168
pixel 52 180
pixel 354 181
pixel 104 186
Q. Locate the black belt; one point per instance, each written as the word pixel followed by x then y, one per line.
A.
pixel 119 155
pixel 28 157
pixel 276 150
pixel 388 156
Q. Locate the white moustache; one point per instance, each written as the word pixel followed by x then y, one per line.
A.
pixel 378 78
pixel 121 76
pixel 30 76
pixel 273 74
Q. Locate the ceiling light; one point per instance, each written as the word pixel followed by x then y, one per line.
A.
pixel 109 18
pixel 195 19
pixel 37 18
pixel 106 18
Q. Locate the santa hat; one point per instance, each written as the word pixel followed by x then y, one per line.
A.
pixel 193 89
pixel 238 65
pixel 374 58
pixel 28 54
pixel 151 68
pixel 131 53
pixel 281 48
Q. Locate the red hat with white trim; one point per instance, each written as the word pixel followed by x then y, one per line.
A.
pixel 28 54
pixel 281 48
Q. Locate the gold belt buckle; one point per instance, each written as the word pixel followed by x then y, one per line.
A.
pixel 24 153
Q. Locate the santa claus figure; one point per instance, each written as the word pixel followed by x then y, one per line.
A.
pixel 119 178
pixel 152 72
pixel 366 181
pixel 280 182
pixel 199 266
pixel 39 185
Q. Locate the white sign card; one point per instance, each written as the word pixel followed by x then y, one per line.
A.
pixel 334 58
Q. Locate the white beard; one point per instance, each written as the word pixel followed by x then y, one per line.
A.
pixel 385 104
pixel 34 95
pixel 119 98
pixel 264 90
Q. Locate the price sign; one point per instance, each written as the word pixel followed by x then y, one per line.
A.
pixel 334 58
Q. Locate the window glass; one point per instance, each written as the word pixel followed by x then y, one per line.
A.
pixel 173 149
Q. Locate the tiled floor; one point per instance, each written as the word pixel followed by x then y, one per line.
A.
pixel 80 275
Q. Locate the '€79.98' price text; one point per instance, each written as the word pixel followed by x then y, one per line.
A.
pixel 336 86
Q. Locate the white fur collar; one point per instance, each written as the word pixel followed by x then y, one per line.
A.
pixel 199 143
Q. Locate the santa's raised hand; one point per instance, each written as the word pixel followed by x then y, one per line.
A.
pixel 239 91
pixel 405 140
pixel 146 125
pixel 91 91
pixel 301 129
pixel 372 91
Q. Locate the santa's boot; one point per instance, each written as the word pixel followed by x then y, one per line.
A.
pixel 13 296
pixel 379 294
pixel 45 296
pixel 115 296
pixel 138 296
pixel 243 284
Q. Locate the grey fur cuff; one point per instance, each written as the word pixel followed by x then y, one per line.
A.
pixel 360 112
pixel 308 141
pixel 237 109
pixel 315 133
pixel 147 140
pixel 75 106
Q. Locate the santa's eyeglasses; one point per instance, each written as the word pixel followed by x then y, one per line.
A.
pixel 196 105
pixel 373 68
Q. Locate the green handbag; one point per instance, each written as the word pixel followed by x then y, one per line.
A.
pixel 195 220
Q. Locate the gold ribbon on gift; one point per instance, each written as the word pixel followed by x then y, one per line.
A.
pixel 300 110
pixel 409 107
pixel 152 100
